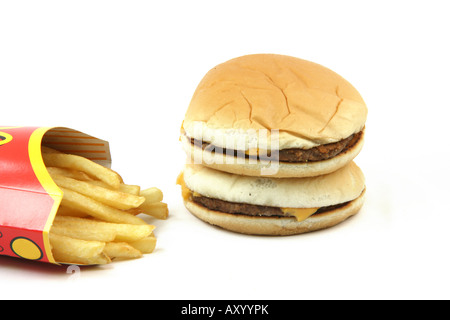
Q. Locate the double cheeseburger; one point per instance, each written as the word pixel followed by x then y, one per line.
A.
pixel 271 141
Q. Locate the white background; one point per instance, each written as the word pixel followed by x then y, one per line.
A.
pixel 125 71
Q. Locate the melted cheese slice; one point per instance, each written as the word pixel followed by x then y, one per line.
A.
pixel 300 214
pixel 185 192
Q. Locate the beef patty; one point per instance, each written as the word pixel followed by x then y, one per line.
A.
pixel 319 153
pixel 250 209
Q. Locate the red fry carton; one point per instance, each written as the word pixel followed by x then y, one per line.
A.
pixel 29 199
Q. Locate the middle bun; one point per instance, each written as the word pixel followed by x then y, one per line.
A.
pixel 343 185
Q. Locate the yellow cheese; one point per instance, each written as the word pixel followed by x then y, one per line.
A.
pixel 180 179
pixel 252 152
pixel 185 192
pixel 300 213
pixel 257 152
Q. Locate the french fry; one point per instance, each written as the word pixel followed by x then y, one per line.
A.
pixel 131 189
pixel 84 165
pixel 158 210
pixel 96 209
pixel 67 258
pixel 152 195
pixel 123 232
pixel 121 250
pixel 66 211
pixel 146 245
pixel 75 232
pixel 76 247
pixel 153 205
pixel 69 173
pixel 97 219
pixel 113 198
pixel 131 233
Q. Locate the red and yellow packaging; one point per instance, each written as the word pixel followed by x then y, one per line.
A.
pixel 29 199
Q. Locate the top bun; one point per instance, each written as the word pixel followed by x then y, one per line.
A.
pixel 309 104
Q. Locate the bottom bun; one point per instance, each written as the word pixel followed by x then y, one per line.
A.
pixel 275 226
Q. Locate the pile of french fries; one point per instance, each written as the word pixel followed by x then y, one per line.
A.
pixel 97 221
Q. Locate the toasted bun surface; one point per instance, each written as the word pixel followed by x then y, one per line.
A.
pixel 341 186
pixel 309 104
pixel 275 226
pixel 250 167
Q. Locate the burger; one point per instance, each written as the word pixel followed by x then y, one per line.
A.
pixel 276 115
pixel 271 141
pixel 272 206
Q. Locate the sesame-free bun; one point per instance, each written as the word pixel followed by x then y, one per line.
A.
pixel 309 104
pixel 340 186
